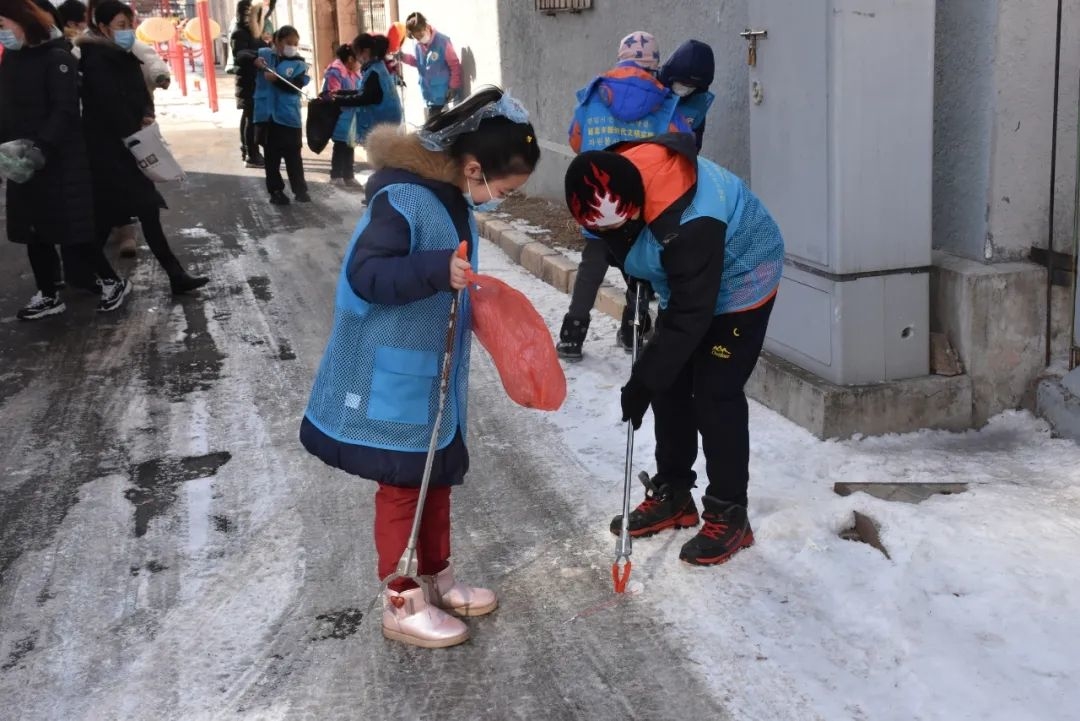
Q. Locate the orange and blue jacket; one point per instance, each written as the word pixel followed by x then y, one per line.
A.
pixel 709 247
pixel 626 103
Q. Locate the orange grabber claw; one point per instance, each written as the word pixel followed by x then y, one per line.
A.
pixel 621 579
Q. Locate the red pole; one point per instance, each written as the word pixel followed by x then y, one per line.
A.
pixel 176 59
pixel 209 69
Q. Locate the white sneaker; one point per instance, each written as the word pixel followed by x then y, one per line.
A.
pixel 113 293
pixel 456 597
pixel 409 618
pixel 41 306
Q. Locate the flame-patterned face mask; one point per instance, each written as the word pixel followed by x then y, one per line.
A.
pixel 605 194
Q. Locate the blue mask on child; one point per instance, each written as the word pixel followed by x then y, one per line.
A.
pixel 9 41
pixel 124 38
pixel 488 205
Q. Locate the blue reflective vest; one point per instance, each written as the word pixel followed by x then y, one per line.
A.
pixel 378 383
pixel 694 108
pixel 345 129
pixel 434 70
pixel 753 247
pixel 272 103
pixel 600 129
pixel 387 111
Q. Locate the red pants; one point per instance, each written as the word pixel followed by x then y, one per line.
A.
pixel 394 511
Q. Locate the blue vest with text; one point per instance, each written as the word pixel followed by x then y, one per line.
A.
pixel 599 128
pixel 753 247
pixel 378 383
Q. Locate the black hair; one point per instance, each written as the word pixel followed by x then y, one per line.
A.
pixel 501 146
pixel 363 41
pixel 345 53
pixel 415 22
pixel 53 13
pixel 380 46
pixel 107 10
pixel 34 20
pixel 72 11
pixel 284 32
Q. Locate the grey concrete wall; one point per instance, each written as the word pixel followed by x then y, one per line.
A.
pixel 546 59
pixel 963 119
pixel 993 125
pixel 995 317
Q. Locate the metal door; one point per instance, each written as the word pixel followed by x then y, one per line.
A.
pixel 789 143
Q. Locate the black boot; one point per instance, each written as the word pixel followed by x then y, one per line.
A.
pixel 572 337
pixel 181 282
pixel 664 507
pixel 255 160
pixel 726 532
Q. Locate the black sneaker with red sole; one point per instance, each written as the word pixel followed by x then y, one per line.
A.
pixel 664 507
pixel 726 531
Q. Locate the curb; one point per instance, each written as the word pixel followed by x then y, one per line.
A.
pixel 546 263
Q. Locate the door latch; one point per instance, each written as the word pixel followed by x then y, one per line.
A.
pixel 752 38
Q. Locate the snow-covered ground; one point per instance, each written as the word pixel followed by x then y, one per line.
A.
pixel 976 615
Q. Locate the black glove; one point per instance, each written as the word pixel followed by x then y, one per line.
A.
pixel 635 401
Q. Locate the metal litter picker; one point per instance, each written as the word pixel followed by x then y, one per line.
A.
pixel 624 545
pixel 408 567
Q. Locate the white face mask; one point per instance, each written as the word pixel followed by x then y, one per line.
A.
pixel 290 51
pixel 682 89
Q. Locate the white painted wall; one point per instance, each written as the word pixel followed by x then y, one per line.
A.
pixel 473 27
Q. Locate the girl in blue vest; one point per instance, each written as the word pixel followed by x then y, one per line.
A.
pixel 714 255
pixel 277 113
pixel 375 101
pixel 340 81
pixel 376 390
pixel 689 73
pixel 436 61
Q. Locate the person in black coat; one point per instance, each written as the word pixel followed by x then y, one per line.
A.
pixel 39 104
pixel 247 37
pixel 117 104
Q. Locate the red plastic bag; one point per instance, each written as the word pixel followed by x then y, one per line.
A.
pixel 517 338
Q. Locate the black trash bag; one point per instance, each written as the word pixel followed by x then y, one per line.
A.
pixel 321 118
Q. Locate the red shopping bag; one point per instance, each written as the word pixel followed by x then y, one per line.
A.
pixel 517 338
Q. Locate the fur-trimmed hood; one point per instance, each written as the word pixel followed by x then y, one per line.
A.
pixel 388 147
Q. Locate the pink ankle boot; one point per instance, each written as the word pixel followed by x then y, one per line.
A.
pixel 457 598
pixel 409 618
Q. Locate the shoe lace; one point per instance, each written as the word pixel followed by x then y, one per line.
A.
pixel 38 299
pixel 715 529
pixel 649 504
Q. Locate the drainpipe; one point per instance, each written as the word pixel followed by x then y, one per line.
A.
pixel 1053 188
pixel 1074 354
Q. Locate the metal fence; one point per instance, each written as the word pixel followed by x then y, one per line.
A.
pixel 551 7
pixel 373 16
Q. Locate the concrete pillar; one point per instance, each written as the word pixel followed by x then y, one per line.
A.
pixel 326 34
pixel 348 22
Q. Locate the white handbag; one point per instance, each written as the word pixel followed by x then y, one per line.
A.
pixel 153 155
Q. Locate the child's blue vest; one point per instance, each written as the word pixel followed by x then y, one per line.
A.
pixel 695 107
pixel 272 103
pixel 599 128
pixel 387 111
pixel 345 129
pixel 434 70
pixel 753 247
pixel 378 383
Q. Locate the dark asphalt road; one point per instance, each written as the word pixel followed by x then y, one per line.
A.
pixel 168 551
